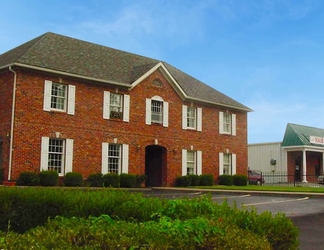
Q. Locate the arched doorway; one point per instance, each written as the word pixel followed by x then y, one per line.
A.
pixel 155 165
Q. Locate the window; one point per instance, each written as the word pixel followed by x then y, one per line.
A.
pixel 157 111
pixel 114 158
pixel 227 164
pixel 191 118
pixel 191 162
pixel 227 123
pixel 57 155
pixel 116 106
pixel 59 97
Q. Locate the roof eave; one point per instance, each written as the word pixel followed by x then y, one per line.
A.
pixel 65 73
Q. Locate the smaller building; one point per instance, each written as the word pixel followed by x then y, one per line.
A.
pixel 299 156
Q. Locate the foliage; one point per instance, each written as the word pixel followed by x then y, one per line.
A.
pixel 239 180
pixel 127 180
pixel 225 179
pixel 111 180
pixel 195 180
pixel 48 178
pixel 28 179
pixel 140 180
pixel 183 181
pixel 206 180
pixel 95 180
pixel 73 179
pixel 167 220
pixel 1 175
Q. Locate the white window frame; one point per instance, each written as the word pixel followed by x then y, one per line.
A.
pixel 67 155
pixel 198 118
pixel 107 106
pixel 123 158
pixel 197 162
pixel 223 165
pixel 223 123
pixel 69 98
pixel 165 111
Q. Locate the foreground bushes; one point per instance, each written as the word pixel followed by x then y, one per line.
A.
pixel 104 218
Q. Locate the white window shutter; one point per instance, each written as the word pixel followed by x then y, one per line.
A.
pixel 106 105
pixel 221 122
pixel 199 119
pixel 44 154
pixel 47 95
pixel 184 162
pixel 221 163
pixel 148 112
pixel 126 108
pixel 165 114
pixel 125 153
pixel 233 124
pixel 69 156
pixel 71 100
pixel 184 116
pixel 199 162
pixel 104 158
pixel 233 164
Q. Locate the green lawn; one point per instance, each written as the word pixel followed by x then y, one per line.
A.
pixel 267 188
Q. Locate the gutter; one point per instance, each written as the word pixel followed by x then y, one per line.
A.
pixel 12 121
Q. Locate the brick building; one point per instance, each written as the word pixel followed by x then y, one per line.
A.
pixel 69 105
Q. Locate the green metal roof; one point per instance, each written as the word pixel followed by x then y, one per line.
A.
pixel 298 135
pixel 64 54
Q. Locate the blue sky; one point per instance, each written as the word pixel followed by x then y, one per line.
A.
pixel 266 54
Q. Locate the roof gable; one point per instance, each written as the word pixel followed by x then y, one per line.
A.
pixel 298 135
pixel 61 54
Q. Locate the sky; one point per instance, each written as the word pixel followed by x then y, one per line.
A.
pixel 265 54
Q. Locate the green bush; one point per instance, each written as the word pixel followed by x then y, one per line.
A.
pixel 239 180
pixel 48 178
pixel 206 180
pixel 95 180
pixel 128 180
pixel 111 180
pixel 28 179
pixel 195 180
pixel 183 181
pixel 141 180
pixel 73 179
pixel 225 179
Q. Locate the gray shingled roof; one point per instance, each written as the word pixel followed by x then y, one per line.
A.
pixel 298 135
pixel 68 55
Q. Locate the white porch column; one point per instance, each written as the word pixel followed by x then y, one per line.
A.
pixel 304 166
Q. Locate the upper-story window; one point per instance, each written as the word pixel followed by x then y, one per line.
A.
pixel 227 164
pixel 191 162
pixel 157 111
pixel 116 106
pixel 114 158
pixel 57 155
pixel 227 123
pixel 59 97
pixel 191 118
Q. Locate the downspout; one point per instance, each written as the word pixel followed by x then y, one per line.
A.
pixel 12 121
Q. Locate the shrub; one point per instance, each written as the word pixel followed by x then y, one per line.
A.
pixel 128 180
pixel 183 181
pixel 239 180
pixel 225 179
pixel 27 179
pixel 95 180
pixel 73 179
pixel 195 180
pixel 140 180
pixel 111 180
pixel 48 178
pixel 206 180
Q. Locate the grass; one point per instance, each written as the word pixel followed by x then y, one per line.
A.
pixel 267 188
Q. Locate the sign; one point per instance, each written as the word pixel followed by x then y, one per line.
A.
pixel 316 140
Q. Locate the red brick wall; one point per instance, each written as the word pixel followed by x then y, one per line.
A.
pixel 89 129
